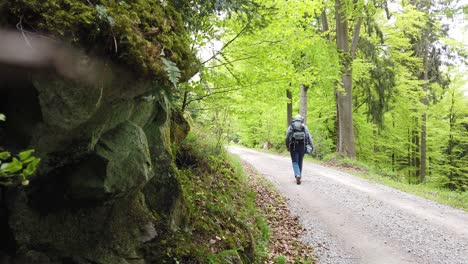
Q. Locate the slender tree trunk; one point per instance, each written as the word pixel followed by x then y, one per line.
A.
pixel 326 30
pixel 393 148
pixel 417 156
pixel 375 146
pixel 416 162
pixel 425 102
pixel 344 96
pixel 289 107
pixel 422 172
pixel 184 103
pixel 409 160
pixel 451 142
pixel 303 109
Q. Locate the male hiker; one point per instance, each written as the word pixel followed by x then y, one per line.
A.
pixel 298 142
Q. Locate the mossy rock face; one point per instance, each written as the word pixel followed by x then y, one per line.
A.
pixel 163 192
pixel 107 175
pixel 65 104
pixel 180 127
pixel 107 179
pixel 120 165
pixel 103 234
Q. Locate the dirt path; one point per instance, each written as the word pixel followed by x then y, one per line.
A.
pixel 351 220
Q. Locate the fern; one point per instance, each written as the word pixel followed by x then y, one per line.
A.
pixel 172 71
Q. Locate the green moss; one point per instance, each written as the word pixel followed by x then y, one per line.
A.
pixel 133 33
pixel 104 234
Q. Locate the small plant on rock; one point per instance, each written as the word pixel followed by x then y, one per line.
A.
pixel 17 169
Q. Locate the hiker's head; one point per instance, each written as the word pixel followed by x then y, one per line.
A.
pixel 299 117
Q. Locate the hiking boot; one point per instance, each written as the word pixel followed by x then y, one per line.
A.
pixel 298 180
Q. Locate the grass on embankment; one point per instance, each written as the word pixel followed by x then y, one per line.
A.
pixel 428 191
pixel 224 224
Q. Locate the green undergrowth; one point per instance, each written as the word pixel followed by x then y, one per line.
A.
pixel 392 179
pixel 224 224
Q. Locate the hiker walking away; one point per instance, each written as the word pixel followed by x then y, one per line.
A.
pixel 298 142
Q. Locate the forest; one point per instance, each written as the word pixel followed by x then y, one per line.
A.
pixel 115 115
pixel 381 82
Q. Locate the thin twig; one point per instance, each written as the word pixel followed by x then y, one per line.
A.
pixel 230 62
pixel 271 42
pixel 115 41
pixel 19 26
pixel 227 44
pixel 321 245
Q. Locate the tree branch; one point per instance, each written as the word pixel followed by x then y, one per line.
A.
pixel 355 41
pixel 325 28
pixel 359 106
pixel 229 62
pixel 19 26
pixel 227 44
pixel 227 89
pixel 271 42
pixel 201 97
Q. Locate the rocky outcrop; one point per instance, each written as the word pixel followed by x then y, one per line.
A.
pixel 97 113
pixel 107 177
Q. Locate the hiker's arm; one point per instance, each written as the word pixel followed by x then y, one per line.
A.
pixel 311 141
pixel 287 137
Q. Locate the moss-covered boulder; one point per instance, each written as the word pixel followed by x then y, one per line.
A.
pixel 121 165
pixel 107 182
pixel 98 115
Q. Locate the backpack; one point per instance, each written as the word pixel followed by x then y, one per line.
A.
pixel 298 131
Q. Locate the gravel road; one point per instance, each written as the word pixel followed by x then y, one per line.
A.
pixel 351 220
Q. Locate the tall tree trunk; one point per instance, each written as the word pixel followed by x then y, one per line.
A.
pixel 422 171
pixel 425 101
pixel 409 160
pixel 303 105
pixel 393 148
pixel 337 121
pixel 289 107
pixel 451 142
pixel 416 162
pixel 344 96
pixel 326 30
pixel 184 103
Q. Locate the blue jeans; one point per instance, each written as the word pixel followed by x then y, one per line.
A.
pixel 297 155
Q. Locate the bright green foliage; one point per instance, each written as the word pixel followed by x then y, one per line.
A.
pixel 280 260
pixel 392 142
pixel 257 69
pixel 243 90
pixel 16 170
pixel 172 71
pixel 449 141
